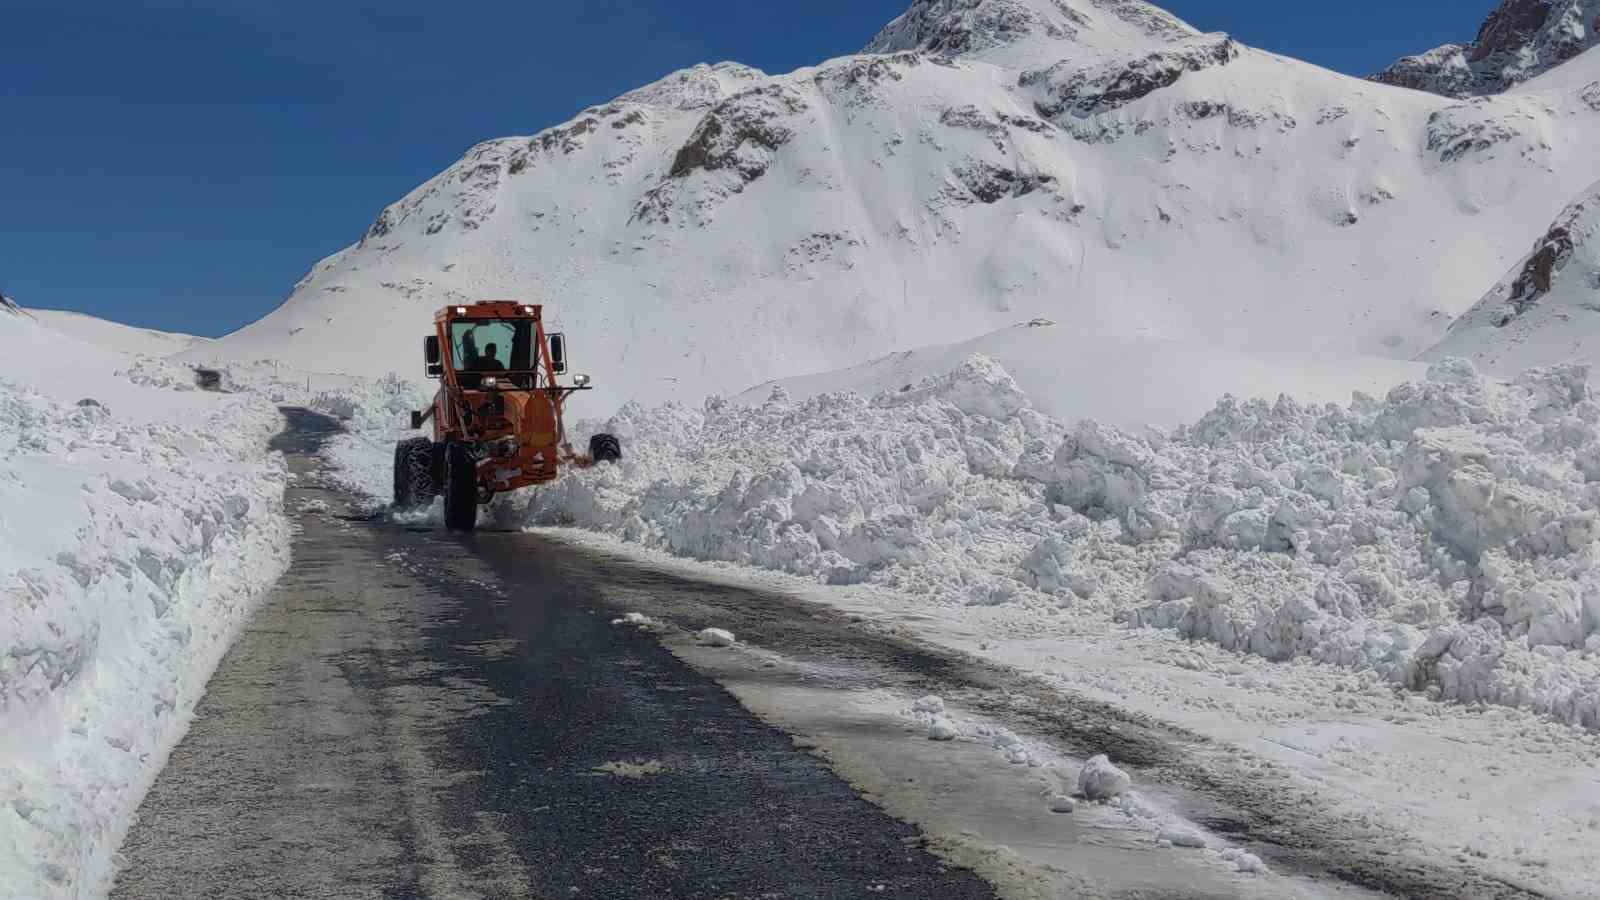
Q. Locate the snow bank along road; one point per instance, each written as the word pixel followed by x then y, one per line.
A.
pixel 414 713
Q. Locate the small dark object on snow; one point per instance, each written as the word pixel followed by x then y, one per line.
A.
pixel 605 448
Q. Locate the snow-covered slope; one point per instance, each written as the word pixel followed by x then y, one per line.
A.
pixel 9 306
pixel 1123 177
pixel 1520 40
pixel 114 336
pixel 1126 382
pixel 1547 308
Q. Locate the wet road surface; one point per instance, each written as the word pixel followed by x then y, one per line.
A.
pixel 389 729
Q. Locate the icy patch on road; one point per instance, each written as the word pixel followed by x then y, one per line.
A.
pixel 639 620
pixel 635 771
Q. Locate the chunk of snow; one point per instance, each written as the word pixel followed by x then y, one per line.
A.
pixel 1100 780
pixel 716 637
pixel 929 704
pixel 1061 803
pixel 942 729
pixel 1244 861
pixel 1182 837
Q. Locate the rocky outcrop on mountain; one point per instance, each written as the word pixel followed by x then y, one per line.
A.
pixel 1542 268
pixel 1071 88
pixel 1520 40
pixel 731 147
pixel 970 27
pixel 1478 126
pixel 1547 306
pixel 8 305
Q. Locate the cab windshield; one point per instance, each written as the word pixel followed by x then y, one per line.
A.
pixel 493 345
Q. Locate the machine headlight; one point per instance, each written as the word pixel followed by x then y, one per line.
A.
pixel 580 380
pixel 491 383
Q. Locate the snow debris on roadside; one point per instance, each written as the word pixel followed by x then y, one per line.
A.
pixel 716 637
pixel 1442 539
pixel 1100 780
pixel 132 551
pixel 1243 861
pixel 942 729
pixel 1180 836
pixel 638 619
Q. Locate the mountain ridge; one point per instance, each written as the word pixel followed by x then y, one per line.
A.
pixel 1520 40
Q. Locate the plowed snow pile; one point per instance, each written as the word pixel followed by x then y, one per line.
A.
pixel 1443 538
pixel 140 523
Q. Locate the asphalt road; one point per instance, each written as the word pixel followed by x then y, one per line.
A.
pixel 401 720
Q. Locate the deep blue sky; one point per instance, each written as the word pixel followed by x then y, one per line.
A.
pixel 180 165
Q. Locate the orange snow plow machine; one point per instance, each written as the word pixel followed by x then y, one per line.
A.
pixel 497 417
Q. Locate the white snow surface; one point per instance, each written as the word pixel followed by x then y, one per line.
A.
pixel 117 337
pixel 716 637
pixel 1127 382
pixel 140 522
pixel 1123 176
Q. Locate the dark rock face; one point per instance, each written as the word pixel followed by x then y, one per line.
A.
pixel 747 120
pixel 1071 88
pixel 9 305
pixel 988 183
pixel 1457 132
pixel 1514 24
pixel 1550 256
pixel 1591 95
pixel 957 27
pixel 1520 40
pixel 739 137
pixel 954 27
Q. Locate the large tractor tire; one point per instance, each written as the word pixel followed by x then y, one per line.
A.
pixel 413 474
pixel 605 448
pixel 460 488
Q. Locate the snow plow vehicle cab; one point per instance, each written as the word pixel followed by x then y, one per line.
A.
pixel 497 416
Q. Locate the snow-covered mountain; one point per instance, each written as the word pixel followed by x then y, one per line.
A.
pixel 1095 163
pixel 1520 40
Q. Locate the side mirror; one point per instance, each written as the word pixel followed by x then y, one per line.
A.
pixel 558 352
pixel 430 356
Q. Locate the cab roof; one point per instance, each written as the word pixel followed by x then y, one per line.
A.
pixel 491 309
